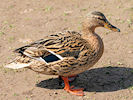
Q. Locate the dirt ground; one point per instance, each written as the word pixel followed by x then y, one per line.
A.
pixel 23 21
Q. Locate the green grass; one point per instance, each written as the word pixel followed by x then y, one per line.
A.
pixel 2 33
pixel 130 88
pixel 11 39
pixel 119 63
pixel 109 16
pixel 6 70
pixel 129 21
pixel 83 9
pixel 11 26
pixel 79 28
pixel 27 18
pixel 11 6
pixel 129 9
pixel 107 32
pixel 64 97
pixel 37 81
pixel 5 22
pixel 48 9
pixel 27 98
pixel 131 71
pixel 66 14
pixel 65 20
pixel 122 21
pixel 131 46
pixel 15 94
pixel 118 6
pixel 38 76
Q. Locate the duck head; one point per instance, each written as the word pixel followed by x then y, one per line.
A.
pixel 97 19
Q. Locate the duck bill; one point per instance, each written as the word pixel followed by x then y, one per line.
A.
pixel 111 27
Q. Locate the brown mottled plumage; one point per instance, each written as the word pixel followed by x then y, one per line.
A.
pixel 79 52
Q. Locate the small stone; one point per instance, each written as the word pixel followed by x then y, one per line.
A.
pixel 130 51
pixel 50 94
pixel 55 93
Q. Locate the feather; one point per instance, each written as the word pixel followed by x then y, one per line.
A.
pixel 49 58
pixel 17 65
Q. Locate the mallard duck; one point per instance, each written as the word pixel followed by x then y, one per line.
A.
pixel 65 53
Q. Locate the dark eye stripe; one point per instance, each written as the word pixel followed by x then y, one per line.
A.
pixel 101 19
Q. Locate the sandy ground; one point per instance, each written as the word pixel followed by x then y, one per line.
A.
pixel 23 21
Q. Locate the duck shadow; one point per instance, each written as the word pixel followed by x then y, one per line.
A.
pixel 104 79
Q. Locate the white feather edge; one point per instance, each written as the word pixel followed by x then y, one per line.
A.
pixel 41 59
pixel 14 65
pixel 36 58
pixel 60 57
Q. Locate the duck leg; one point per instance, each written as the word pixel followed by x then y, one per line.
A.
pixel 69 89
pixel 70 78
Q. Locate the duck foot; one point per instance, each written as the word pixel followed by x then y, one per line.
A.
pixel 71 89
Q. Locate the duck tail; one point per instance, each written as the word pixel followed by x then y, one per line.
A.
pixel 17 64
pixel 14 65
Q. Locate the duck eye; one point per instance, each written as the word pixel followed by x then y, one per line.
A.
pixel 102 19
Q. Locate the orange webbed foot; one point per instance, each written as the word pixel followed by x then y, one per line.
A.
pixel 78 92
pixel 71 89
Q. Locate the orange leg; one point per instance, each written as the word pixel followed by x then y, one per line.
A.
pixel 67 87
pixel 72 78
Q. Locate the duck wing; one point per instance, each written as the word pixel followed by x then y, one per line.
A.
pixel 56 54
pixel 65 44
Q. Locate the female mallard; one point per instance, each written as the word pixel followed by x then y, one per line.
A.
pixel 66 53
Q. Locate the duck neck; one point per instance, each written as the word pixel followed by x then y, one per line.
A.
pixel 88 26
pixel 88 30
pixel 88 33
